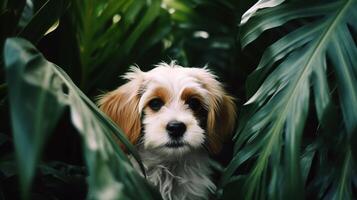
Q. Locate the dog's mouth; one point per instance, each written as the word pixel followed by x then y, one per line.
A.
pixel 175 144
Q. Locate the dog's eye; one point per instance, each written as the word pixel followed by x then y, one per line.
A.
pixel 193 103
pixel 156 104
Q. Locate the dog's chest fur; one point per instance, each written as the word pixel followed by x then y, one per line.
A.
pixel 185 178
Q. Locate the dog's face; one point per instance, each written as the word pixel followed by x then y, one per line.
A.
pixel 172 110
pixel 174 107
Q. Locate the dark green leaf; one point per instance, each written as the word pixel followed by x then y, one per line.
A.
pixel 31 120
pixel 271 137
pixel 47 90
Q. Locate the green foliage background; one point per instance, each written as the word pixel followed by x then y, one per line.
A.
pixel 292 65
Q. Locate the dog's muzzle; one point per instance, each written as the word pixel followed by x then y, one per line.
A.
pixel 176 130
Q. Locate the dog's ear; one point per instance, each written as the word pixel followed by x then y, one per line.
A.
pixel 221 121
pixel 221 110
pixel 121 105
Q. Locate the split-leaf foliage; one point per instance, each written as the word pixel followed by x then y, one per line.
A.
pixel 291 64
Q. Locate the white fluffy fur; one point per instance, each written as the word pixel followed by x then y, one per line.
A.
pixel 186 177
pixel 174 79
pixel 181 172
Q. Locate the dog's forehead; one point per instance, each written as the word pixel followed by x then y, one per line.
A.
pixel 173 77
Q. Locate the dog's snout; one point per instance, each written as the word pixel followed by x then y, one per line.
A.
pixel 176 129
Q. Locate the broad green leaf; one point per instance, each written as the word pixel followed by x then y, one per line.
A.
pixel 281 89
pixel 259 5
pixel 29 135
pixel 281 14
pixel 39 91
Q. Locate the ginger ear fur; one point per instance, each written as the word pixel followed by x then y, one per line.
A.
pixel 220 122
pixel 221 113
pixel 121 105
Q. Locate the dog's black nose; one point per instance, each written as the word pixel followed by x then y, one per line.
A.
pixel 176 129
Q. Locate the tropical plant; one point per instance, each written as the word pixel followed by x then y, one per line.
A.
pixel 28 71
pixel 309 71
pixel 46 84
pixel 28 20
pixel 297 129
pixel 104 26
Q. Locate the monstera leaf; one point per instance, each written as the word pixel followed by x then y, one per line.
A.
pixel 316 61
pixel 39 92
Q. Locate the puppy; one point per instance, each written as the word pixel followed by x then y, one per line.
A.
pixel 175 117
